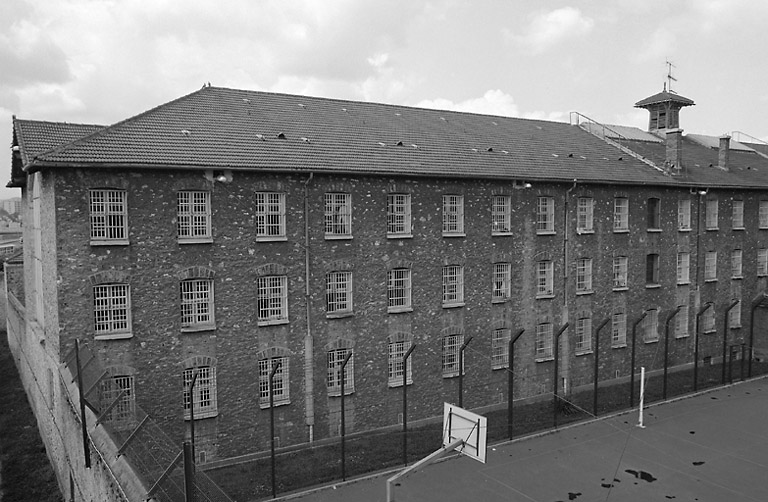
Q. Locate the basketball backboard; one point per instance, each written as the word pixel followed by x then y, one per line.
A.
pixel 471 428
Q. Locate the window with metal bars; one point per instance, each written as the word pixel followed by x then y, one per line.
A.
pixel 620 264
pixel 453 285
pixel 335 360
pixel 395 352
pixel 584 214
pixel 338 215
pixel 398 215
pixel 453 215
pixel 619 329
pixel 500 338
pixel 197 303
pixel 683 268
pixel 272 292
pixel 584 275
pixel 502 282
pixel 545 215
pixel 202 395
pixel 280 382
pixel 711 217
pixel 193 216
pixel 111 309
pixel 270 215
pixel 737 216
pixel 583 335
pixel 621 214
pixel 338 292
pixel 544 279
pixel 109 216
pixel 544 341
pixel 450 355
pixel 122 414
pixel 501 215
pixel 399 289
pixel 684 214
pixel 710 266
pixel 736 261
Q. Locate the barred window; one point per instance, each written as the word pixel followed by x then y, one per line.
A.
pixel 711 214
pixel 395 353
pixel 109 216
pixel 338 215
pixel 652 269
pixel 620 214
pixel 620 272
pixel 710 266
pixel 451 347
pixel 583 335
pixel 203 392
pixel 270 215
pixel 398 214
pixel 399 289
pixel 196 303
pixel 683 268
pixel 584 275
pixel 654 213
pixel 280 382
pixel 734 316
pixel 545 215
pixel 453 285
pixel 338 292
pixel 681 323
pixel 544 279
pixel 193 215
pixel 544 341
pixel 500 348
pixel 684 214
pixel 122 414
pixel 763 215
pixel 112 309
pixel 619 329
pixel 502 281
pixel 708 320
pixel 762 262
pixel 651 326
pixel 738 215
pixel 453 215
pixel 335 360
pixel 272 294
pixel 501 214
pixel 584 214
pixel 736 255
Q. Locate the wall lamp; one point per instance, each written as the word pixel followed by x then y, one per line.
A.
pixel 223 176
pixel 521 184
pixel 700 191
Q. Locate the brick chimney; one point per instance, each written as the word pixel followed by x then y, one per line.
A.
pixel 724 153
pixel 674 160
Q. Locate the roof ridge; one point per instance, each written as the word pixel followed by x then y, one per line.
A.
pixel 104 130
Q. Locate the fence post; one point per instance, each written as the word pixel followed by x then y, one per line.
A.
pixel 405 403
pixel 275 366
pixel 632 365
pixel 511 381
pixel 666 350
pixel 556 341
pixel 726 327
pixel 696 346
pixel 83 427
pixel 189 473
pixel 597 365
pixel 343 418
pixel 461 371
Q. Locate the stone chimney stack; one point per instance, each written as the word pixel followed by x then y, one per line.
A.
pixel 674 160
pixel 724 153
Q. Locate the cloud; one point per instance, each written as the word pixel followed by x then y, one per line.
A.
pixel 547 29
pixel 493 102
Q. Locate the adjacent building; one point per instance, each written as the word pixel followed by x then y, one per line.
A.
pixel 227 231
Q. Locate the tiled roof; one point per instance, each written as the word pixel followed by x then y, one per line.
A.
pixel 226 128
pixel 663 97
pixel 219 128
pixel 35 136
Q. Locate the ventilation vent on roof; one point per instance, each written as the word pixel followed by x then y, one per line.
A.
pixel 301 105
pixel 555 155
pixel 305 140
pixel 442 118
pixel 344 110
pixel 414 145
pixel 399 143
pixel 474 150
pixel 397 114
pixel 185 132
pixel 490 148
pixel 494 122
pixel 261 137
pixel 281 136
pixel 505 152
pixel 246 100
pixel 570 155
pixel 382 144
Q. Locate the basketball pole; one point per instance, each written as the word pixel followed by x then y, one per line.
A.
pixel 642 396
pixel 432 457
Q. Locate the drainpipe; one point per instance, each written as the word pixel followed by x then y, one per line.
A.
pixel 309 373
pixel 566 273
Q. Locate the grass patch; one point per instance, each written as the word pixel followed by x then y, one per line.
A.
pixel 27 475
pixel 381 450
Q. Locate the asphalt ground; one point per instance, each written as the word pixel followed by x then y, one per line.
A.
pixel 711 447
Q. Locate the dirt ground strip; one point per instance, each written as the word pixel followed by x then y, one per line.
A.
pixel 711 447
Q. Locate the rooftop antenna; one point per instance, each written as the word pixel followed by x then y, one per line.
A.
pixel 670 78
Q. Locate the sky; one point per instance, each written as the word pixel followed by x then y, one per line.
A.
pixel 102 61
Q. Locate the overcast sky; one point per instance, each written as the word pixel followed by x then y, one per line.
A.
pixel 101 61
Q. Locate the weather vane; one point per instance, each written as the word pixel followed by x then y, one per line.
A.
pixel 670 78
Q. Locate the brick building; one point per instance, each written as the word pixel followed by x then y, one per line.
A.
pixel 229 230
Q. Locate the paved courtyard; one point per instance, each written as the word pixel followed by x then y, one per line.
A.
pixel 711 447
